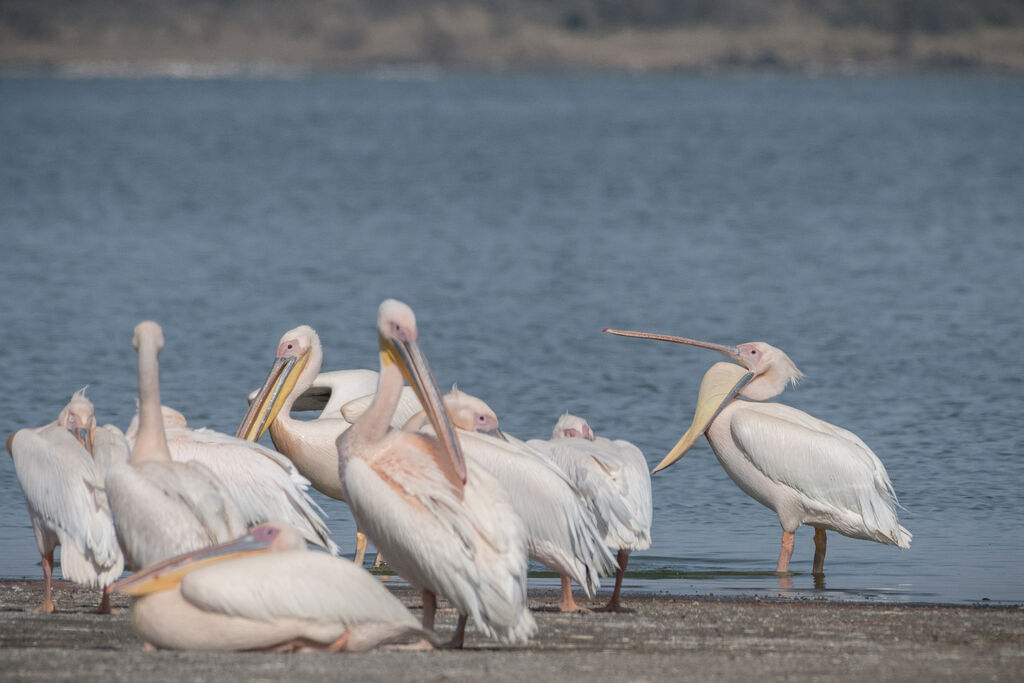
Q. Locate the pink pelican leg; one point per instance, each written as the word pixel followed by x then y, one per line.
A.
pixel 47 606
pixel 819 551
pixel 568 603
pixel 786 553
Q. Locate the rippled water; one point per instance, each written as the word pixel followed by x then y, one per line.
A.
pixel 871 228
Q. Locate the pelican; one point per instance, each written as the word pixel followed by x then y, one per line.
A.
pixel 449 533
pixel 561 531
pixel 63 486
pixel 265 484
pixel 807 470
pixel 309 444
pixel 613 476
pixel 265 591
pixel 163 508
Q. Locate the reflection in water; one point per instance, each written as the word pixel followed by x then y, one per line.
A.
pixel 785 581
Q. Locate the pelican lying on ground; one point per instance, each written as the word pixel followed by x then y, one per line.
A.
pixel 805 469
pixel 264 483
pixel 613 476
pixel 163 508
pixel 228 597
pixel 447 532
pixel 309 444
pixel 63 487
pixel 561 531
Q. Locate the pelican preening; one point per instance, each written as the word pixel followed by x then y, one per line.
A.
pixel 263 483
pixel 448 531
pixel 309 444
pixel 561 530
pixel 612 476
pixel 265 591
pixel 806 470
pixel 57 468
pixel 163 508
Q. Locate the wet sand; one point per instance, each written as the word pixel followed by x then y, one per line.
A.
pixel 676 638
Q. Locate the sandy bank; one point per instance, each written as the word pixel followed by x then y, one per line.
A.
pixel 666 638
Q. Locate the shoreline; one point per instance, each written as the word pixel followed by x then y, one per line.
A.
pixel 665 637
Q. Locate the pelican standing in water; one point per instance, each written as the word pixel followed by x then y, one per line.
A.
pixel 309 444
pixel 448 533
pixel 163 508
pixel 57 468
pixel 561 530
pixel 265 591
pixel 807 470
pixel 613 476
pixel 265 484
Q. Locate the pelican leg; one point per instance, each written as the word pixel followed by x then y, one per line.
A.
pixel 613 605
pixel 459 639
pixel 786 553
pixel 104 607
pixel 379 560
pixel 429 605
pixel 360 548
pixel 568 603
pixel 819 551
pixel 47 606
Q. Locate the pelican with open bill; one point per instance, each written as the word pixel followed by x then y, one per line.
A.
pixel 807 470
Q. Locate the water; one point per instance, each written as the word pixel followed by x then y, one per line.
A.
pixel 871 228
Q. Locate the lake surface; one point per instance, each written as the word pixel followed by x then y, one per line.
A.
pixel 871 228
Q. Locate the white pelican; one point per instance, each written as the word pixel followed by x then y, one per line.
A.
pixel 613 476
pixel 228 597
pixel 309 444
pixel 63 488
pixel 561 531
pixel 264 483
pixel 447 533
pixel 163 508
pixel 807 470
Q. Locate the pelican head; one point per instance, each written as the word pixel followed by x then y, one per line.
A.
pixel 763 372
pixel 77 417
pixel 571 426
pixel 269 537
pixel 294 351
pixel 148 331
pixel 397 332
pixel 471 413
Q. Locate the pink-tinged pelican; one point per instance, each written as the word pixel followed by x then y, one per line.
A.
pixel 163 508
pixel 561 531
pixel 807 470
pixel 264 483
pixel 448 533
pixel 265 591
pixel 309 444
pixel 63 485
pixel 613 477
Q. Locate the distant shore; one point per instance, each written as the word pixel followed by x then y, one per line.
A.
pixel 678 638
pixel 467 37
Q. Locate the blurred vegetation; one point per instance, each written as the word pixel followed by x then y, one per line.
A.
pixel 517 32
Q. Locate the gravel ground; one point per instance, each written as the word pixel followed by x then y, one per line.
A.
pixel 674 638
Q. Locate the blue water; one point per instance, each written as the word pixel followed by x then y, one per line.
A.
pixel 871 228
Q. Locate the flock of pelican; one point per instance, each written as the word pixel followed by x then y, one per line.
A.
pixel 216 528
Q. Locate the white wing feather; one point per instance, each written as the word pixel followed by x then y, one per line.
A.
pixel 825 463
pixel 65 494
pixel 295 584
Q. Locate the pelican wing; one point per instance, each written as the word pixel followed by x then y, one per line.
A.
pixel 560 526
pixel 331 390
pixel 408 406
pixel 295 584
pixel 825 463
pixel 264 483
pixel 63 489
pixel 613 477
pixel 109 448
